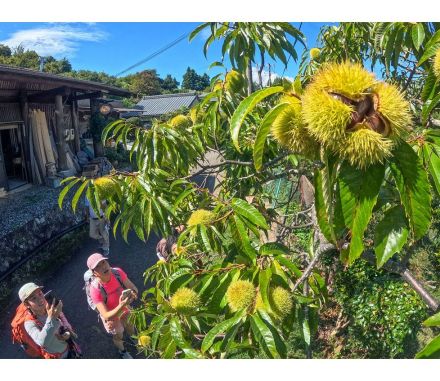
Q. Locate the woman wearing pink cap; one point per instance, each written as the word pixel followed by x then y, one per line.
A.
pixel 111 300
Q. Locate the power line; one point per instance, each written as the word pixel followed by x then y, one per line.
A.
pixel 155 54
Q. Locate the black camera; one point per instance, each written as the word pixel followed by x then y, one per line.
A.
pixel 51 299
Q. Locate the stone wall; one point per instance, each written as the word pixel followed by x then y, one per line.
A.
pixel 30 219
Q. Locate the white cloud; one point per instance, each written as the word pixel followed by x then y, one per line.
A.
pixel 265 76
pixel 57 40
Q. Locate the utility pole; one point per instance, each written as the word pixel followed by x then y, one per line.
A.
pixel 270 79
pixel 42 61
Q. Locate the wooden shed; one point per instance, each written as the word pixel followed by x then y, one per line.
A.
pixel 39 123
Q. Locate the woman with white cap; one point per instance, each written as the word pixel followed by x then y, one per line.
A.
pixel 44 322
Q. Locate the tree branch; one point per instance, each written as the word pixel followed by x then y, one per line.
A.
pixel 391 266
pixel 396 267
pixel 324 248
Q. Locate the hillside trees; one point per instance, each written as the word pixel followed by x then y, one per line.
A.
pixel 363 154
pixel 169 83
pixel 146 82
pixel 193 81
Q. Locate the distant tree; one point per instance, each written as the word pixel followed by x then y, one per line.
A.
pixel 145 83
pixel 54 66
pixel 31 60
pixel 194 81
pixel 5 51
pixel 95 76
pixel 128 102
pixel 169 83
pixel 25 58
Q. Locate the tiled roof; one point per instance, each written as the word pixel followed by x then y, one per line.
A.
pixel 161 104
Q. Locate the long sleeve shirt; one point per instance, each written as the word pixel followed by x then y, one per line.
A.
pixel 45 336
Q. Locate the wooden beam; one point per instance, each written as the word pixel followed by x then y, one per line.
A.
pixel 63 90
pixel 24 76
pixel 95 94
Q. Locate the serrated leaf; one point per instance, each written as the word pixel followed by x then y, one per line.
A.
pixel 413 185
pixel 268 337
pixel 431 351
pixel 418 35
pixel 429 86
pixel 228 340
pixel 78 194
pixel 429 107
pixel 297 85
pixel 262 132
pixel 433 161
pixel 180 281
pixel 170 351
pixel 304 326
pixel 244 243
pixel 389 48
pixel 273 248
pixel 157 330
pixel 218 298
pixel 216 64
pixel 176 333
pixel 432 321
pixel 245 107
pixel 249 211
pixel 264 283
pixel 205 238
pixel 66 190
pixel 322 207
pixel 431 48
pixel 290 265
pixel 391 235
pixel 358 192
pixel 219 329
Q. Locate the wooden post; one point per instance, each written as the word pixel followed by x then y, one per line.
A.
pixel 25 131
pixel 60 142
pixel 75 123
pixel 3 175
pixel 97 143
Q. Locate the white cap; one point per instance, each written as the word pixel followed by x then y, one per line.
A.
pixel 26 290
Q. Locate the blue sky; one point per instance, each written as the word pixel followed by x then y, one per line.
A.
pixel 113 47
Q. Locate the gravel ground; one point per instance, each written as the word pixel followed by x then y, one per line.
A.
pixel 22 207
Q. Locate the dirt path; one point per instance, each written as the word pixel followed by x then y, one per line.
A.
pixel 67 283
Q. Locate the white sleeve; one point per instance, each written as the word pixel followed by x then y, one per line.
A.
pixel 42 336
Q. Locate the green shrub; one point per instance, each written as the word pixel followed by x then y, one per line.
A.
pixel 385 313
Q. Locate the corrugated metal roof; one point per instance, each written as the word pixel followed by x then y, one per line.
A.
pixel 161 104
